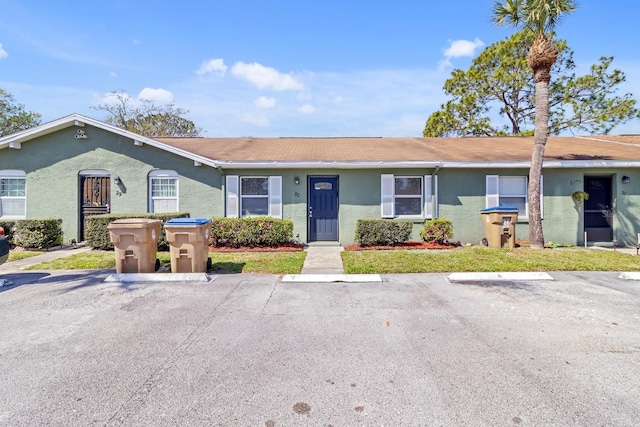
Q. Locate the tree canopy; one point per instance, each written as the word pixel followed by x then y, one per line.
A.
pixel 13 116
pixel 148 118
pixel 500 82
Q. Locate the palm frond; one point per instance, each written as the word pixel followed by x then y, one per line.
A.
pixel 540 16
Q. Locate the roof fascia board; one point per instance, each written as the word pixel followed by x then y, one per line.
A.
pixel 548 164
pixel 592 164
pixel 451 165
pixel 325 165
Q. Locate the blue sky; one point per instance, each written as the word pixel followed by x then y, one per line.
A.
pixel 276 68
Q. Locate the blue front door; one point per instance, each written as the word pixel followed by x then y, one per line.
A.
pixel 323 209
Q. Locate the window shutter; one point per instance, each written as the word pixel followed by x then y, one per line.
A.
pixel 232 196
pixel 428 197
pixel 275 196
pixel 436 209
pixel 386 196
pixel 493 191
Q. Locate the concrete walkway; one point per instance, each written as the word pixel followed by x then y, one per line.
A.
pixel 52 255
pixel 323 260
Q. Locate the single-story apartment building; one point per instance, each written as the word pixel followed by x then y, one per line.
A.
pixel 77 166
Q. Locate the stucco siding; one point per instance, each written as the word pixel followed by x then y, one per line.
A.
pixel 53 163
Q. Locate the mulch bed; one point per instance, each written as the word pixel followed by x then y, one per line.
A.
pixel 404 246
pixel 291 247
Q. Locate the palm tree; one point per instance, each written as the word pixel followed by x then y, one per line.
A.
pixel 541 17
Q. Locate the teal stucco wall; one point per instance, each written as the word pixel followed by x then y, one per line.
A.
pixel 358 197
pixel 53 163
pixel 462 195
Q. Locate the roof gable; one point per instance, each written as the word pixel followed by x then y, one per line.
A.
pixel 16 140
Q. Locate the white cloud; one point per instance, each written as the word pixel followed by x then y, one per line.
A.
pixel 265 77
pixel 264 102
pixel 113 74
pixel 136 41
pixel 306 109
pixel 212 66
pixel 3 53
pixel 161 96
pixel 459 48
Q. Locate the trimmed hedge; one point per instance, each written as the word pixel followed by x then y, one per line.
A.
pixel 384 232
pixel 438 230
pixel 96 233
pixel 260 231
pixel 34 233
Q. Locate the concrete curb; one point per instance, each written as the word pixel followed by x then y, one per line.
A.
pixel 158 277
pixel 483 277
pixel 329 278
pixel 630 275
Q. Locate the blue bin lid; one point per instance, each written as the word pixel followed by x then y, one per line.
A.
pixel 188 221
pixel 500 208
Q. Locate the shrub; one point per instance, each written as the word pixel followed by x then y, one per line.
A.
pixel 373 232
pixel 37 233
pixel 438 230
pixel 251 232
pixel 96 233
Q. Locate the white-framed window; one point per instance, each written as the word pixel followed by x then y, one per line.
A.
pixel 510 191
pixel 163 191
pixel 254 196
pixel 407 196
pixel 13 194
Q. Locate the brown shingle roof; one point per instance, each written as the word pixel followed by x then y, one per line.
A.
pixel 504 149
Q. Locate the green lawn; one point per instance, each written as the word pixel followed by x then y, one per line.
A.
pixel 390 261
pixel 482 259
pixel 223 262
pixel 18 255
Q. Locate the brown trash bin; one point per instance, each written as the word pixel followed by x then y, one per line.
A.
pixel 135 241
pixel 500 226
pixel 189 244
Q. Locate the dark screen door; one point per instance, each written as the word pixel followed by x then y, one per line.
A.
pixel 598 215
pixel 95 193
pixel 323 209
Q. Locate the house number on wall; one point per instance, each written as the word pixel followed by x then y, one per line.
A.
pixel 296 194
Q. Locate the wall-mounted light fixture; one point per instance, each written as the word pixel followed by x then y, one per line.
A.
pixel 117 180
pixel 626 179
pixel 296 180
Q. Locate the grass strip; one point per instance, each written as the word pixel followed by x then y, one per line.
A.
pixel 232 262
pixel 475 259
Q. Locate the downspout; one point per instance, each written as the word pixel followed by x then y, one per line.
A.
pixel 434 191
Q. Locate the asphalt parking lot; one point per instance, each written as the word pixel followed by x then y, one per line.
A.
pixel 248 350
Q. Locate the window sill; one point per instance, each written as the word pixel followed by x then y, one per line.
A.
pixel 415 219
